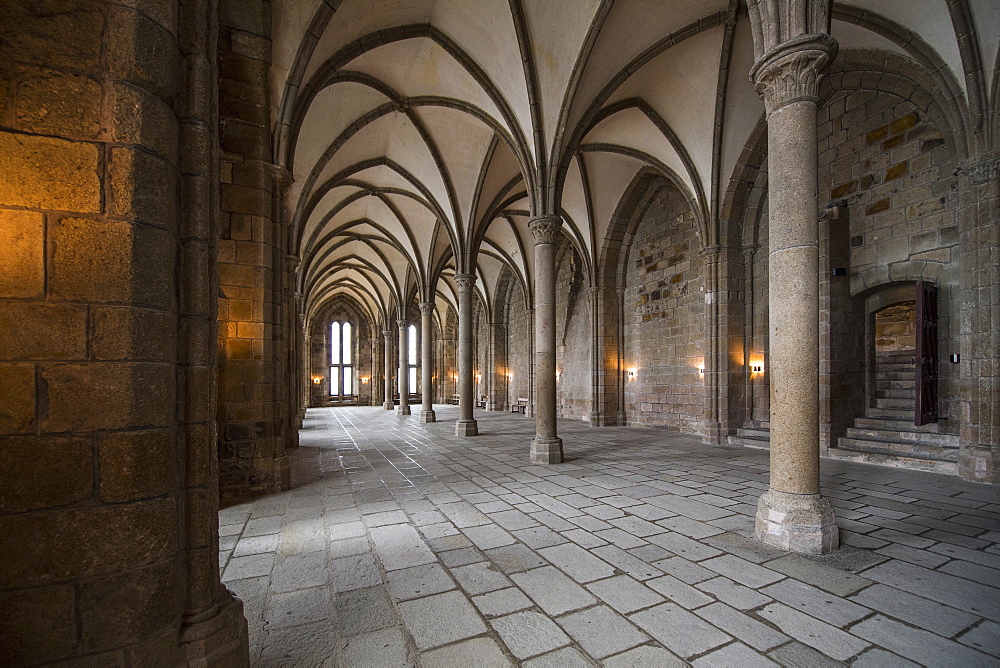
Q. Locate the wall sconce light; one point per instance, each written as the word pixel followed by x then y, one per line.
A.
pixel 558 374
pixel 364 380
pixel 317 380
pixel 510 376
pixel 756 367
pixel 631 374
pixel 701 369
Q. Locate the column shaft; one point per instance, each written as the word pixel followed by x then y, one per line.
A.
pixel 466 425
pixel 404 369
pixel 546 448
pixel 792 514
pixel 387 383
pixel 427 362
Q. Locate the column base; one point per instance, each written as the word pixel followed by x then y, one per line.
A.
pixel 978 463
pixel 388 405
pixel 797 522
pixel 466 428
pixel 595 419
pixel 219 639
pixel 427 416
pixel 546 450
pixel 402 410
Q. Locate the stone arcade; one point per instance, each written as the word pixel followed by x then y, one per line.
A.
pixel 769 229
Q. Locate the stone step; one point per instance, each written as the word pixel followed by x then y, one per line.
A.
pixel 898 368
pixel 903 437
pixel 898 355
pixel 895 384
pixel 894 403
pixel 752 437
pixel 895 460
pixel 890 413
pixel 890 423
pixel 895 394
pixel 894 375
pixel 761 444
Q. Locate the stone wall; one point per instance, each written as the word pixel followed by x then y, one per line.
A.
pixel 573 335
pixel 896 328
pixel 891 167
pixel 255 425
pixel 664 318
pixel 519 324
pixel 108 487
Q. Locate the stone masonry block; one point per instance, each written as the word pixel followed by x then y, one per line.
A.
pixel 142 53
pixel 62 33
pixel 58 103
pixel 37 330
pixel 135 465
pixel 17 399
pixel 142 187
pixel 144 120
pixel 92 541
pixel 22 253
pixel 46 173
pixel 108 261
pixel 127 333
pixel 41 472
pixel 126 608
pixel 37 625
pixel 88 397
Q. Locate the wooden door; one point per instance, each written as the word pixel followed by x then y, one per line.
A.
pixel 926 360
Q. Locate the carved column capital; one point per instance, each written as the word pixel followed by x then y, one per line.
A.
pixel 465 282
pixel 544 228
pixel 793 70
pixel 426 309
pixel 388 333
pixel 985 170
pixel 402 323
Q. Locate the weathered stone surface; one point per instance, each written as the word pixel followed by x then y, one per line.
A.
pixel 103 261
pixel 52 32
pixel 44 472
pixel 42 331
pixel 22 253
pixel 126 608
pixel 47 173
pixel 17 398
pixel 144 532
pixel 58 103
pixel 36 625
pixel 142 395
pixel 135 465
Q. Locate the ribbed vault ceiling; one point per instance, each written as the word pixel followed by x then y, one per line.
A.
pixel 422 134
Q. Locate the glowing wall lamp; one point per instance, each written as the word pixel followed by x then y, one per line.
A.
pixel 631 374
pixel 317 380
pixel 364 380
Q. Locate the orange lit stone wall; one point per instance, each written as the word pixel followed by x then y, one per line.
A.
pixel 108 488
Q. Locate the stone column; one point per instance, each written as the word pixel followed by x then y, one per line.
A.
pixel 792 514
pixel 546 447
pixel 404 369
pixel 979 454
pixel 387 382
pixel 466 425
pixel 427 362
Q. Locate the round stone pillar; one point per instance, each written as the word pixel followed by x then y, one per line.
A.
pixel 427 362
pixel 404 370
pixel 388 405
pixel 466 425
pixel 546 448
pixel 792 514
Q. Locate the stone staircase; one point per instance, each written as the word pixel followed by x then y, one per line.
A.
pixel 887 435
pixel 756 435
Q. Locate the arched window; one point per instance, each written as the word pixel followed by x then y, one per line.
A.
pixel 411 352
pixel 341 369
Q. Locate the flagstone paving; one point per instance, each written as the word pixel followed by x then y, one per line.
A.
pixel 400 544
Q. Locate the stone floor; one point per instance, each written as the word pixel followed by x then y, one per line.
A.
pixel 401 544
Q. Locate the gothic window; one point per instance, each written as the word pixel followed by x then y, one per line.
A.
pixel 411 343
pixel 341 369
